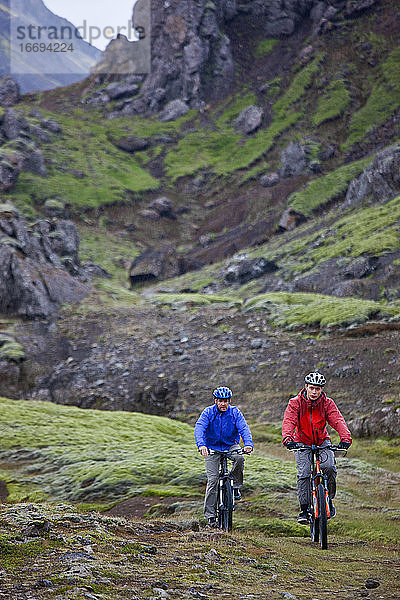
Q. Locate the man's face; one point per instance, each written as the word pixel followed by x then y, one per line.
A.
pixel 222 405
pixel 313 391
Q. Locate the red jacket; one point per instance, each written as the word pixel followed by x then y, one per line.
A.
pixel 305 421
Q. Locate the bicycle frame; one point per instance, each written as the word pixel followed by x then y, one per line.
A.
pixel 320 508
pixel 225 498
pixel 318 477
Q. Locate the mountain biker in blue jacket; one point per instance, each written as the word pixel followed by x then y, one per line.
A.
pixel 220 427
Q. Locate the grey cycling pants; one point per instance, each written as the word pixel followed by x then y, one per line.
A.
pixel 212 470
pixel 304 465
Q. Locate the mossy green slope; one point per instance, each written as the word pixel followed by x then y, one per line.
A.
pixel 86 170
pixel 67 453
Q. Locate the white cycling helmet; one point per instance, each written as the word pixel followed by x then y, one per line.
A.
pixel 315 378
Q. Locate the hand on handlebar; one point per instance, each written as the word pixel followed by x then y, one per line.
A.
pixel 203 451
pixel 291 445
pixel 248 449
pixel 343 445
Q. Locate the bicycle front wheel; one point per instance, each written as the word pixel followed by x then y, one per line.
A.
pixel 323 518
pixel 227 506
pixel 314 529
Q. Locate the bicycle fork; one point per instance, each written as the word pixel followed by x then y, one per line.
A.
pixel 221 483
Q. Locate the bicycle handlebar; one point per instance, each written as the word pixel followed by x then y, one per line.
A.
pixel 227 452
pixel 334 448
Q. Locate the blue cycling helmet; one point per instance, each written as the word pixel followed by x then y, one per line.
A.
pixel 222 393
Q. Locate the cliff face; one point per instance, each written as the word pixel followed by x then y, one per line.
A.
pixel 192 44
pixel 19 23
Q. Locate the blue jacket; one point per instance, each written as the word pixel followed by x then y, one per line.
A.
pixel 221 430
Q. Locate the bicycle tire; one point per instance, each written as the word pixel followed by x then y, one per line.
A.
pixel 227 508
pixel 323 518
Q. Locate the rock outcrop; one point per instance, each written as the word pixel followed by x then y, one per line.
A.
pixel 380 181
pixel 191 57
pixel 39 265
pixel 20 138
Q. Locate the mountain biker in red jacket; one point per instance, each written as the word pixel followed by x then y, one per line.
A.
pixel 304 422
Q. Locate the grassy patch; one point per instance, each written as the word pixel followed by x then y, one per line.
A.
pixel 265 47
pixel 77 455
pixel 85 170
pixel 370 231
pixel 224 151
pixel 293 309
pixel 254 173
pixel 299 84
pixel 107 250
pixel 333 103
pixel 323 190
pixel 382 102
pixel 14 554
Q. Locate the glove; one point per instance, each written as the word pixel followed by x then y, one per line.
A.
pixel 291 445
pixel 344 445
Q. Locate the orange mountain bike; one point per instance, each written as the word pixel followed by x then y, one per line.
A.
pixel 320 508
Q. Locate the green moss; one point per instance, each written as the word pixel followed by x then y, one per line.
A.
pixel 95 456
pixel 223 151
pixel 383 101
pixel 333 103
pixel 85 169
pixel 110 251
pixel 234 106
pixel 368 231
pixel 12 351
pixel 265 47
pixel 299 84
pixel 323 190
pixel 13 554
pixel 296 309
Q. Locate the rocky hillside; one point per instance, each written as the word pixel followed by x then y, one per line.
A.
pixel 237 213
pixel 20 21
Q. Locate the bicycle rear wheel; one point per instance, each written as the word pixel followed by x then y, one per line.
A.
pixel 227 508
pixel 323 519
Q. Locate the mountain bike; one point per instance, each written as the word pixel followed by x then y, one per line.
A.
pixel 225 498
pixel 320 508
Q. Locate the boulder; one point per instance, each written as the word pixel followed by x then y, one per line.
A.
pixel 269 179
pixel 293 160
pixel 249 119
pixel 154 265
pixel 132 143
pixel 163 207
pixel 173 110
pixel 383 421
pixel 9 172
pixel 51 125
pixel 13 123
pixel 244 269
pixel 280 18
pixel 380 181
pixel 9 91
pixel 354 7
pixel 290 220
pixel 118 90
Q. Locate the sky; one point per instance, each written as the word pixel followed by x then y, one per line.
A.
pixel 99 16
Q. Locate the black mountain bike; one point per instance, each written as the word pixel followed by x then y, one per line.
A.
pixel 225 498
pixel 320 508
